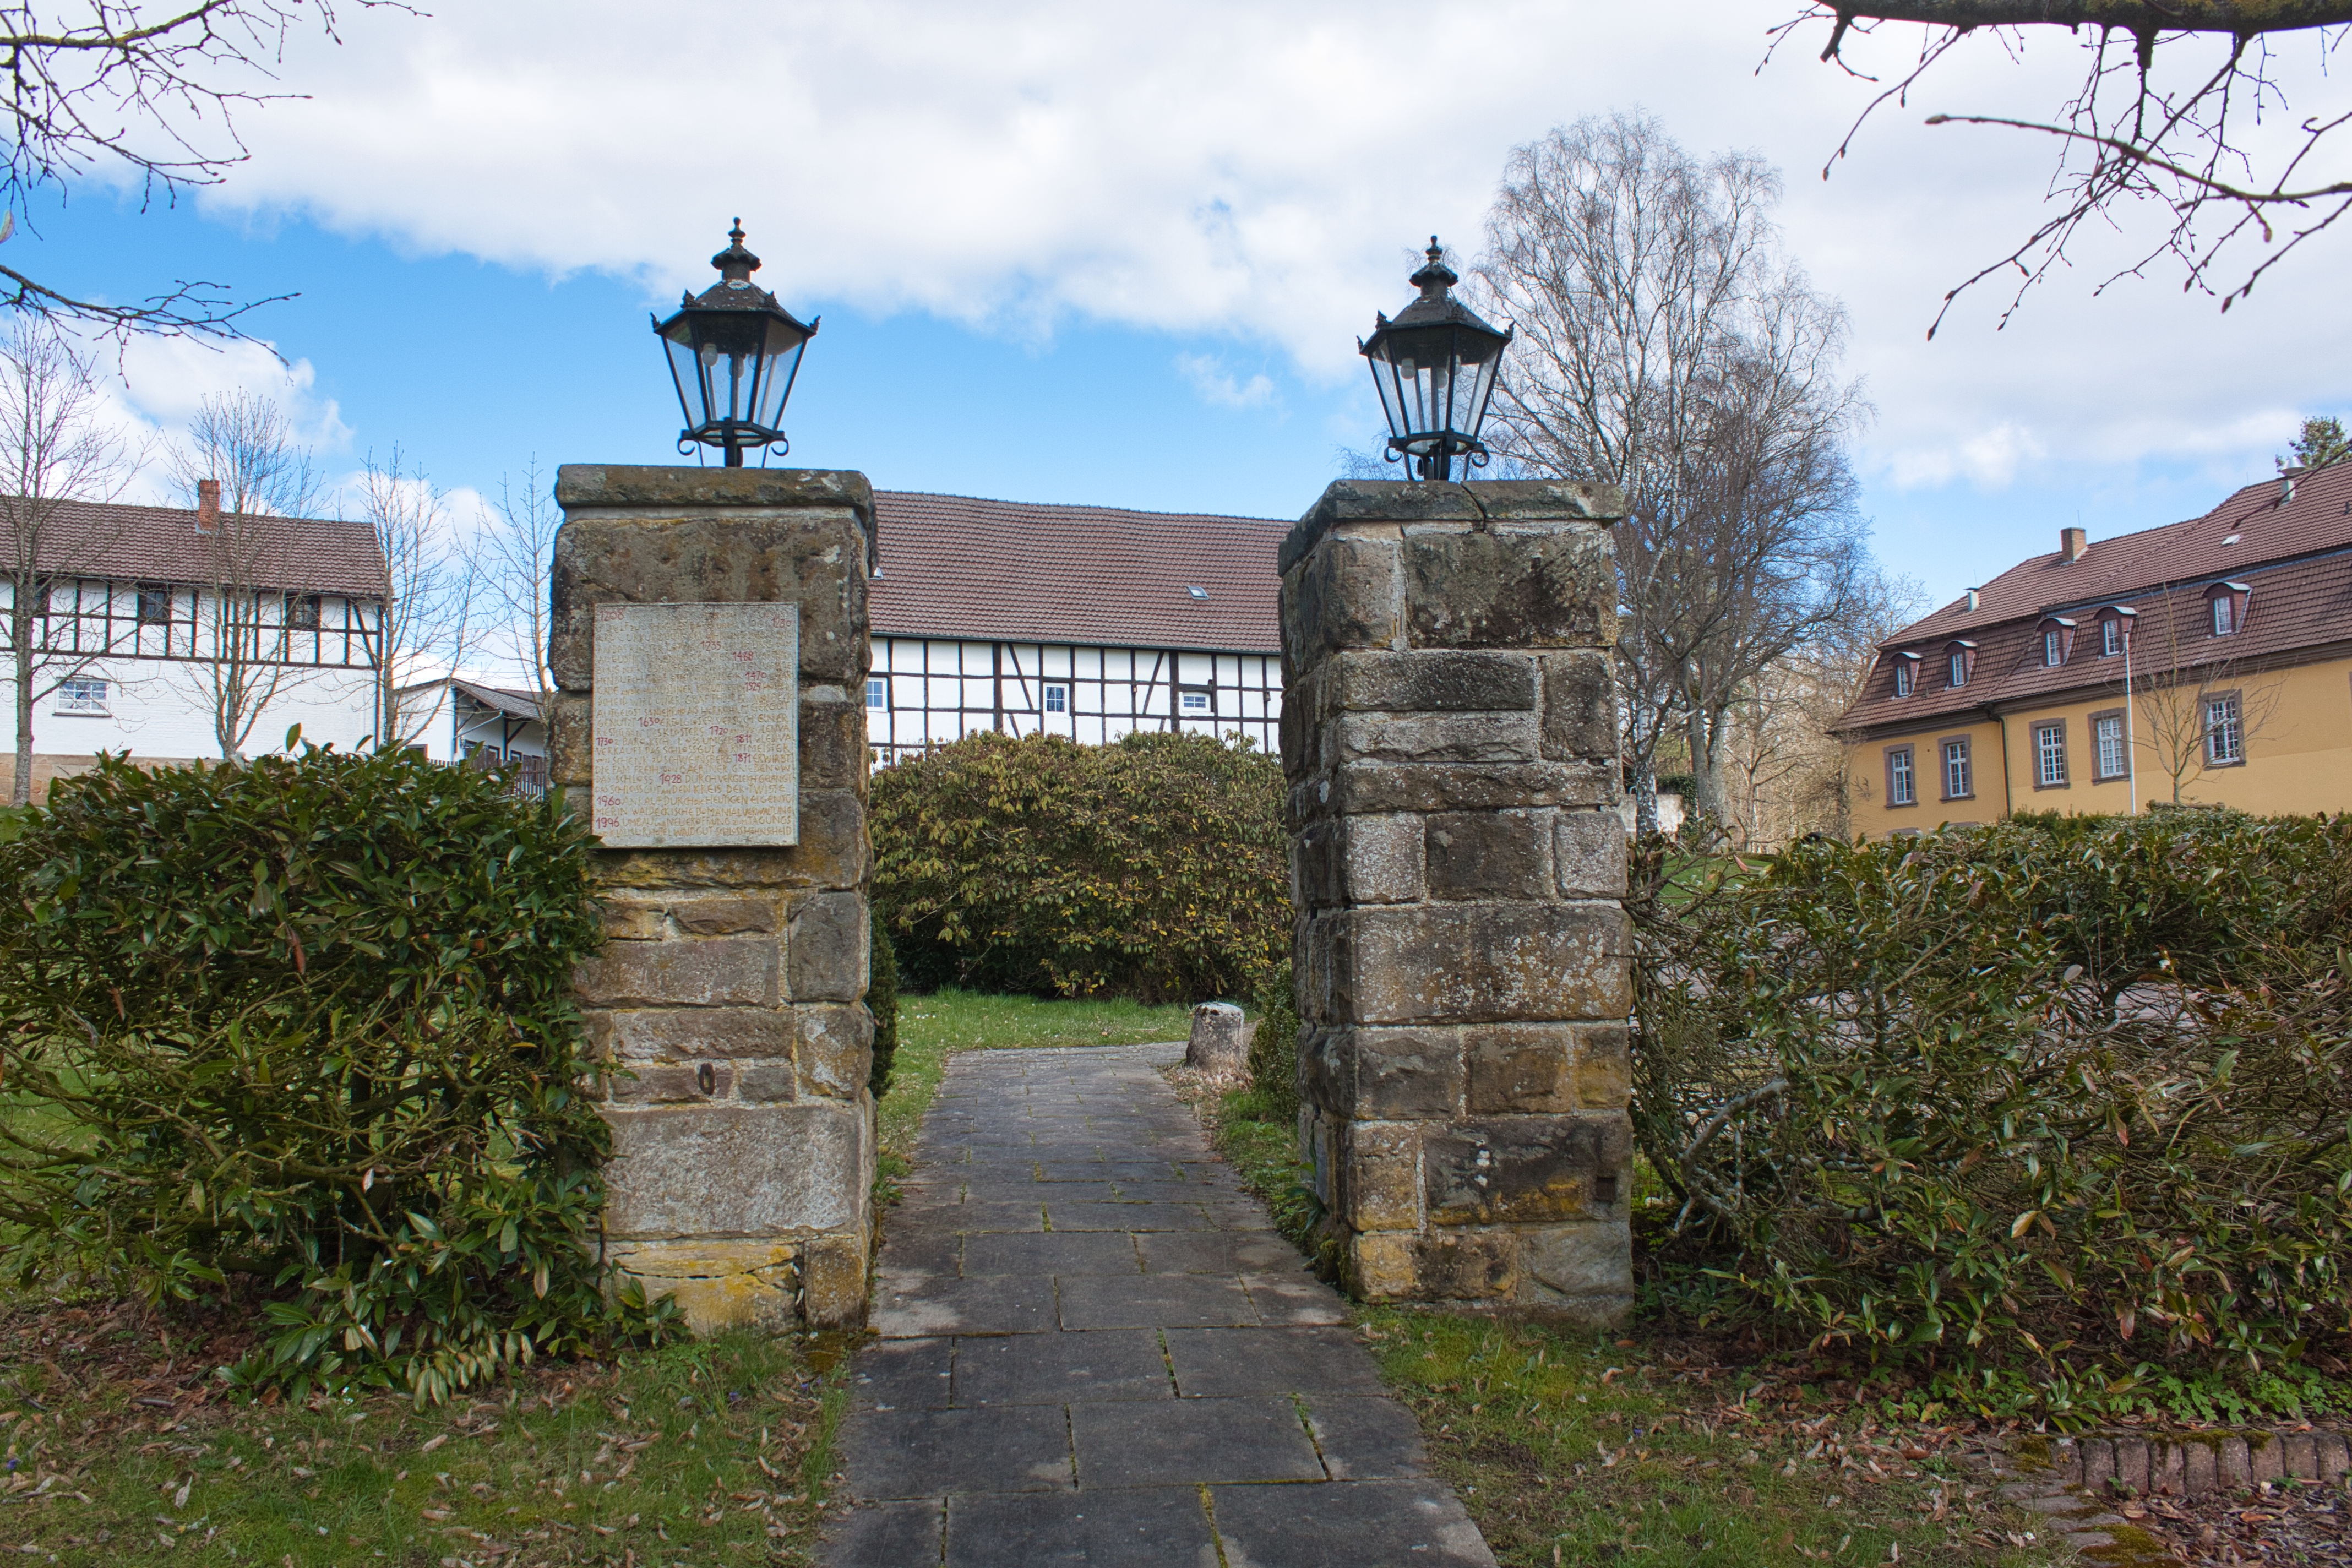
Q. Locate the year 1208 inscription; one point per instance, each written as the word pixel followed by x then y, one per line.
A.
pixel 696 725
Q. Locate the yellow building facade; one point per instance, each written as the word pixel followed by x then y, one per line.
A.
pixel 2230 632
pixel 2297 759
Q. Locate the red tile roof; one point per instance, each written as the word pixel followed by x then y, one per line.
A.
pixel 953 567
pixel 161 544
pixel 2294 556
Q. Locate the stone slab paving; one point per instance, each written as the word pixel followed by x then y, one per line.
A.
pixel 1091 1348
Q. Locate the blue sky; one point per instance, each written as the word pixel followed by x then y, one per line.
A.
pixel 1067 253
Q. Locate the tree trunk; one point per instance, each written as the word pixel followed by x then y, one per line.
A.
pixel 1705 730
pixel 1645 798
pixel 20 635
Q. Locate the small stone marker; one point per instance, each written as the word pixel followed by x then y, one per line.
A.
pixel 1219 1042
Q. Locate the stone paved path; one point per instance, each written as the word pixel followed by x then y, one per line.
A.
pixel 1093 1350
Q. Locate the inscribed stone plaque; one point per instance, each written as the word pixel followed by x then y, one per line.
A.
pixel 696 721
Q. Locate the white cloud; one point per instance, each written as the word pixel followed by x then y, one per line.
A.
pixel 1209 379
pixel 1260 171
pixel 156 384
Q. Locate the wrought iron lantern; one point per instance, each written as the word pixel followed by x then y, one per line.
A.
pixel 733 354
pixel 1434 366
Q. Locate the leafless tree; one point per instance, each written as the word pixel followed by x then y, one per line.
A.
pixel 56 448
pixel 521 557
pixel 1666 346
pixel 428 623
pixel 1787 774
pixel 244 443
pixel 2167 117
pixel 2178 680
pixel 115 86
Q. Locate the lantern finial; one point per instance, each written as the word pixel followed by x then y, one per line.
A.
pixel 736 264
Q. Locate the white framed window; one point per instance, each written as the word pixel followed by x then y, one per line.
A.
pixel 2050 754
pixel 1902 785
pixel 1907 670
pixel 877 691
pixel 2224 622
pixel 2053 649
pixel 1056 698
pixel 2111 637
pixel 2108 730
pixel 85 698
pixel 2225 729
pixel 1193 699
pixel 1960 666
pixel 1956 779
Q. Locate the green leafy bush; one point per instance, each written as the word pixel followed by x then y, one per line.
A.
pixel 2067 1096
pixel 1152 868
pixel 310 1020
pixel 1274 1047
pixel 882 1002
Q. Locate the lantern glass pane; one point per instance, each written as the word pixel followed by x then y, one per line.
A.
pixel 1385 382
pixel 1482 389
pixel 685 373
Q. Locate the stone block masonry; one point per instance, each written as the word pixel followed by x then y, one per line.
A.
pixel 1449 737
pixel 731 987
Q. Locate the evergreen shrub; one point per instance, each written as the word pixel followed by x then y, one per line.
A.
pixel 309 1019
pixel 1152 868
pixel 2069 1095
pixel 882 1002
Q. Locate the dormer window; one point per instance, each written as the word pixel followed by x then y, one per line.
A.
pixel 2226 601
pixel 1907 673
pixel 1960 661
pixel 2111 637
pixel 2057 641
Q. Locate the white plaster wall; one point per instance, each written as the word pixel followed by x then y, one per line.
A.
pixel 156 708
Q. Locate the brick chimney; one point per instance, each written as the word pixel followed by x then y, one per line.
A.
pixel 207 506
pixel 2072 543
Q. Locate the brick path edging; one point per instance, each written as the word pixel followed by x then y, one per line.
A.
pixel 2071 1481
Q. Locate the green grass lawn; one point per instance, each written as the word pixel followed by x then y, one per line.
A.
pixel 1582 1446
pixel 121 1449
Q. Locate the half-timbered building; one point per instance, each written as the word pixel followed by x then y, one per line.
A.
pixel 1083 621
pixel 153 618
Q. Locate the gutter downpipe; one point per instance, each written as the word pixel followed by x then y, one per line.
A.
pixel 2131 745
pixel 2007 809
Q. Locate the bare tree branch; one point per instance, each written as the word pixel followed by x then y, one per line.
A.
pixel 2167 115
pixel 152 91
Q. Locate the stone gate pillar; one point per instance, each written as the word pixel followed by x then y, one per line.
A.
pixel 1450 737
pixel 709 643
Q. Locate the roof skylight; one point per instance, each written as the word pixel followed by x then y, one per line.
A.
pixel 1197 591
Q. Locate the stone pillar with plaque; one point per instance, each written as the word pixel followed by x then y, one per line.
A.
pixel 710 647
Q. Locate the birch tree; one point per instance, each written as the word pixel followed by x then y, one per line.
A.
pixel 244 443
pixel 1665 345
pixel 56 448
pixel 521 560
pixel 427 624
